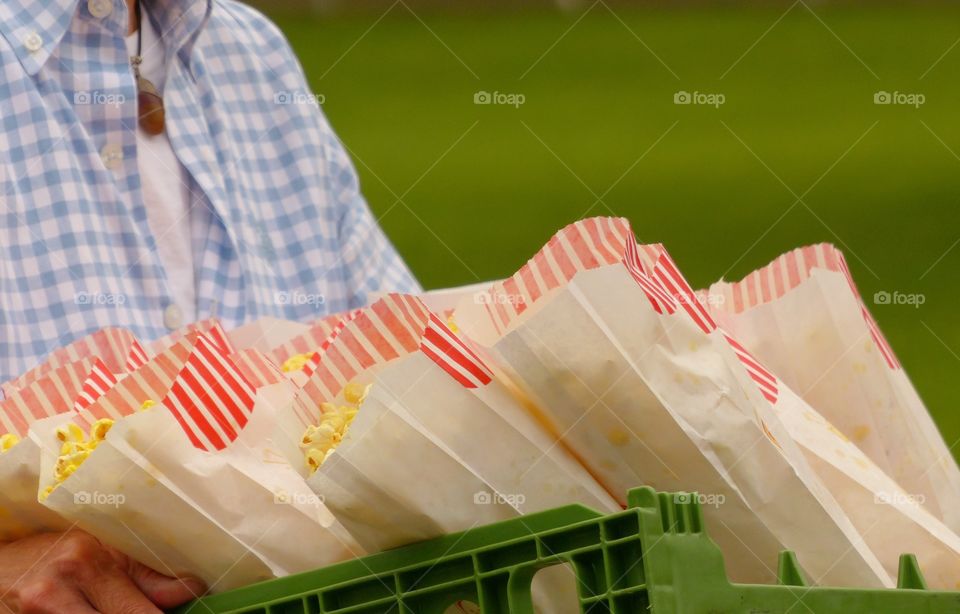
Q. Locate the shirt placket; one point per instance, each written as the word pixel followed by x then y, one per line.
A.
pixel 105 102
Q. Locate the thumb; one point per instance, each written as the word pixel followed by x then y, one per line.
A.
pixel 164 591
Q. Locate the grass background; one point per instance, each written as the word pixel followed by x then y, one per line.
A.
pixel 469 192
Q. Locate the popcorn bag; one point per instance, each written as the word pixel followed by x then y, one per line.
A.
pixel 803 316
pixel 48 396
pixel 396 477
pixel 444 300
pixel 265 334
pixel 254 454
pixel 117 348
pixel 118 497
pixel 210 328
pixel 608 341
pixel 299 355
pixel 178 486
pixel 437 445
pixel 890 520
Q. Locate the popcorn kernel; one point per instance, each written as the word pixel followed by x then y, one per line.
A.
pixel 354 393
pixel 70 447
pixel 7 441
pixel 315 458
pixel 70 432
pixel 100 429
pixel 319 441
pixel 75 449
pixel 296 362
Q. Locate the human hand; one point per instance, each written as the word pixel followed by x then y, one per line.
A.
pixel 72 572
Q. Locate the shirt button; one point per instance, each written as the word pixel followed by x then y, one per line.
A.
pixel 172 317
pixel 33 42
pixel 112 156
pixel 100 8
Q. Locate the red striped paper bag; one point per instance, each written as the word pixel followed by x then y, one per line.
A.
pixel 869 497
pixel 195 443
pixel 118 348
pixel 255 453
pixel 436 437
pixel 211 327
pixel 443 301
pixel 890 519
pixel 438 445
pixel 51 395
pixel 120 498
pixel 311 343
pixel 149 381
pixel 308 341
pixel 609 342
pixel 264 334
pixel 802 315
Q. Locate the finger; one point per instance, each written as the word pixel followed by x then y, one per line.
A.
pixel 113 592
pixel 49 596
pixel 164 591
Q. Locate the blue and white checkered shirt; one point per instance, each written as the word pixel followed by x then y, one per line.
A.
pixel 279 225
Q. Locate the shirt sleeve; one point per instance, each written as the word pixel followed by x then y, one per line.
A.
pixel 367 262
pixel 371 264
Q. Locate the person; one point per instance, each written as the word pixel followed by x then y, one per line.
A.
pixel 162 164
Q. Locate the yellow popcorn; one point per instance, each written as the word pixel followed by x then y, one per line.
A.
pixel 321 437
pixel 296 362
pixel 315 458
pixel 7 441
pixel 147 404
pixel 76 448
pixel 354 393
pixel 71 447
pixel 319 442
pixel 68 463
pixel 71 432
pixel 100 428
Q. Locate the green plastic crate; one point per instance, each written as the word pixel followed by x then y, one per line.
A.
pixel 655 556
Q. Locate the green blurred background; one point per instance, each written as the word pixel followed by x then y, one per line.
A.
pixel 798 153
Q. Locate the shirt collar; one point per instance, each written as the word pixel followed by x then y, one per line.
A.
pixel 34 29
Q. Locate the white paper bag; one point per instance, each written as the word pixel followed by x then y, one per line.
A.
pixel 204 444
pixel 432 397
pixel 123 500
pixel 612 346
pixel 117 348
pixel 439 445
pixel 265 334
pixel 890 520
pixel 211 328
pixel 803 316
pixel 312 342
pixel 50 395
